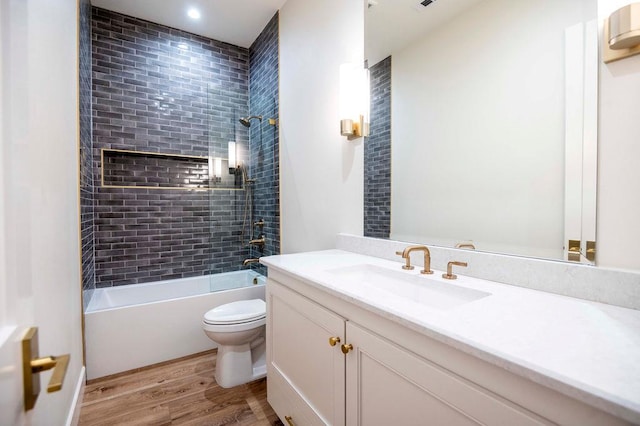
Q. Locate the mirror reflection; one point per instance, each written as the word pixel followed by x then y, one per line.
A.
pixel 492 110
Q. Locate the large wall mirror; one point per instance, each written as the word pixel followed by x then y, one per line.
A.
pixel 493 122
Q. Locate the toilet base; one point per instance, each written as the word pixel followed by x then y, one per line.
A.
pixel 237 365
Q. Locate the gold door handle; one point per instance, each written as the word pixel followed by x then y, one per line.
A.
pixel 59 365
pixel 346 348
pixel 333 341
pixel 289 420
pixel 32 365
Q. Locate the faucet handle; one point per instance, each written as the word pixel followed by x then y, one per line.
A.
pixel 407 265
pixel 466 245
pixel 450 275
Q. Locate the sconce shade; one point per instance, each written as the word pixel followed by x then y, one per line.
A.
pixel 217 169
pixel 624 27
pixel 232 155
pixel 354 101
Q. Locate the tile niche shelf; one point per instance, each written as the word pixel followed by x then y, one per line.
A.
pixel 154 170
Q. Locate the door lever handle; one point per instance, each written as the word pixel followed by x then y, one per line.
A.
pixel 32 364
pixel 58 363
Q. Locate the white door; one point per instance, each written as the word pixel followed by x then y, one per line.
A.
pixel 39 244
pixel 10 371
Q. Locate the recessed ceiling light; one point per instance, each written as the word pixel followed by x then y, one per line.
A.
pixel 194 13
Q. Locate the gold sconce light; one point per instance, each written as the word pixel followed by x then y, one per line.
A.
pixel 622 33
pixel 215 169
pixel 233 162
pixel 354 101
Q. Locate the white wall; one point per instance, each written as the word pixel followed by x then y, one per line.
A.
pixel 618 231
pixel 321 173
pixel 40 168
pixel 478 129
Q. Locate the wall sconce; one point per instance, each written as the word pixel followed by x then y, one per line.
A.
pixel 622 33
pixel 215 169
pixel 354 101
pixel 232 157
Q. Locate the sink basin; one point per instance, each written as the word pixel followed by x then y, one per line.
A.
pixel 419 289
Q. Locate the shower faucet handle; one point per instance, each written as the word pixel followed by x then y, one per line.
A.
pixel 258 242
pixel 259 223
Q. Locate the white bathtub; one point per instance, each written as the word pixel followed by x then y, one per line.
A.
pixel 133 326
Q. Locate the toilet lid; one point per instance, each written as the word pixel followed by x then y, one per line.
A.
pixel 237 312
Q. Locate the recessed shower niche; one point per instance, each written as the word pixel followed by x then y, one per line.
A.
pixel 150 170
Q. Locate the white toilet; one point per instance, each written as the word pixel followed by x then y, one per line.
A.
pixel 238 328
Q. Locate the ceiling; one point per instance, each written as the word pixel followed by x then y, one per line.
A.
pixel 390 24
pixel 393 24
pixel 237 22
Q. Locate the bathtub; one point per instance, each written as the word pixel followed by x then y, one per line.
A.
pixel 133 326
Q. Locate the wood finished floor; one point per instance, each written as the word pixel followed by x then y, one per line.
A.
pixel 180 392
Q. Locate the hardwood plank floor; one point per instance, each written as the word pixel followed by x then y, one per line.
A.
pixel 179 392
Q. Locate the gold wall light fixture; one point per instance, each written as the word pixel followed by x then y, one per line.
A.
pixel 215 169
pixel 622 33
pixel 233 162
pixel 354 101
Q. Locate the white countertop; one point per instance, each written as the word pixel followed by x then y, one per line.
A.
pixel 589 351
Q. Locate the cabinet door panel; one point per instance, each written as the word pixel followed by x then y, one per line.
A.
pixel 387 384
pixel 298 351
pixel 287 402
pixel 387 397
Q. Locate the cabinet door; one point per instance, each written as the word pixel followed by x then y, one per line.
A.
pixel 305 373
pixel 388 385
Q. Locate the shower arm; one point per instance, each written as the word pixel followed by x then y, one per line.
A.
pixel 246 121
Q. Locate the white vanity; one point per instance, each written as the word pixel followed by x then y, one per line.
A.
pixel 422 350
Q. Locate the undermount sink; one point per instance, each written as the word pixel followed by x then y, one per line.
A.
pixel 421 289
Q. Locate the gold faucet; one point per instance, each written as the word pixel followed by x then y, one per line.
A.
pixel 450 275
pixel 406 256
pixel 258 242
pixel 249 261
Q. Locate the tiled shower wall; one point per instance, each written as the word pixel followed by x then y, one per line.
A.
pixel 86 178
pixel 263 89
pixel 155 89
pixel 377 155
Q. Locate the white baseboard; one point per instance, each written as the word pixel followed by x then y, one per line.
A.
pixel 74 412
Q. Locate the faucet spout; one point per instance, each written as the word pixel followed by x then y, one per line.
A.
pixel 250 261
pixel 406 255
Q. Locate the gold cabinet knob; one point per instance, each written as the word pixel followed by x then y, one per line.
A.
pixel 289 420
pixel 333 341
pixel 346 348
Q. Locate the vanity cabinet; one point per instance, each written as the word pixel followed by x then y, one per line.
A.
pixel 387 384
pixel 305 373
pixel 389 374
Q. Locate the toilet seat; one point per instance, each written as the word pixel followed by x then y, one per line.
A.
pixel 241 312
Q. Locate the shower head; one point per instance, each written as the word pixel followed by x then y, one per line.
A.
pixel 246 121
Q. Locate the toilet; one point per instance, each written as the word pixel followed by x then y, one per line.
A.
pixel 239 330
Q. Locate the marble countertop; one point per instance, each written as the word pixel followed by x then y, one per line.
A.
pixel 589 351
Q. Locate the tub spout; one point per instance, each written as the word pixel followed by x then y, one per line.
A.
pixel 249 261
